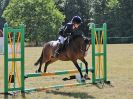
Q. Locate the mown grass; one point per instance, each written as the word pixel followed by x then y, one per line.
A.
pixel 120 73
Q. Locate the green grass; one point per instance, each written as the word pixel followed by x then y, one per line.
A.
pixel 120 73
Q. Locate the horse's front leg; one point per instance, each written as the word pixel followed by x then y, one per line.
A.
pixel 79 69
pixel 86 66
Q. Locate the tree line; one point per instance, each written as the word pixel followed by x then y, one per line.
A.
pixel 43 18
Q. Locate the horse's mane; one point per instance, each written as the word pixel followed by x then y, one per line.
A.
pixel 75 40
pixel 76 37
pixel 86 39
pixel 79 38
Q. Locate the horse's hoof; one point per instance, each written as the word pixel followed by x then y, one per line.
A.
pixel 86 77
pixel 82 80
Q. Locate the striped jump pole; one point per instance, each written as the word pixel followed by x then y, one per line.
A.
pixel 56 73
pixel 56 86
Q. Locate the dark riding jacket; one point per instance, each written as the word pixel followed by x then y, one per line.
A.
pixel 67 30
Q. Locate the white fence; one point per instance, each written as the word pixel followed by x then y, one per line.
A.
pixel 1 45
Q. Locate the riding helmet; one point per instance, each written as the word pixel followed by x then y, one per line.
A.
pixel 76 19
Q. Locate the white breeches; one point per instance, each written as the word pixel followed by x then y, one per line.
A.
pixel 61 39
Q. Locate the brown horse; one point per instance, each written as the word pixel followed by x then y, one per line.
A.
pixel 75 49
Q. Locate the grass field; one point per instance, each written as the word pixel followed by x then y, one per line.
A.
pixel 120 73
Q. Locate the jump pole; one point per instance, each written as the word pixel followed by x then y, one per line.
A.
pixel 56 73
pixel 56 86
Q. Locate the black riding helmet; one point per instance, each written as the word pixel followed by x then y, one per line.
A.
pixel 76 19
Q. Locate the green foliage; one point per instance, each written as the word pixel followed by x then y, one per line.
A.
pixel 77 7
pixel 41 18
pixel 116 13
pixel 3 5
pixel 120 20
pixel 112 4
pixel 82 8
pixel 126 17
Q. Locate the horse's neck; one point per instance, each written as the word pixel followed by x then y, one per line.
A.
pixel 76 44
pixel 73 49
pixel 77 41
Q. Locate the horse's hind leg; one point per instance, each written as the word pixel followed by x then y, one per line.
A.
pixel 47 63
pixel 40 66
pixel 79 69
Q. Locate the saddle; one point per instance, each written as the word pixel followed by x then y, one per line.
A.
pixel 66 43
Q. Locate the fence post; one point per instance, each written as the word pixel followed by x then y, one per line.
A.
pixel 5 58
pixel 93 51
pixel 22 58
pixel 105 50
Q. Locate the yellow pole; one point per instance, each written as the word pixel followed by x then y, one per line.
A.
pixel 9 34
pixel 17 71
pixel 96 36
pixel 101 64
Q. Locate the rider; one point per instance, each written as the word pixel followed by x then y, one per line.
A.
pixel 67 30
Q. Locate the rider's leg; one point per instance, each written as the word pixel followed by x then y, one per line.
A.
pixel 60 46
pixel 59 49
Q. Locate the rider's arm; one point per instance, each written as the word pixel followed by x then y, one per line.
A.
pixel 68 30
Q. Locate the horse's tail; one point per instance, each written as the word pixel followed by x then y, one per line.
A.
pixel 39 60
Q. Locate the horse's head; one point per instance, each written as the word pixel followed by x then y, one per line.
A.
pixel 87 42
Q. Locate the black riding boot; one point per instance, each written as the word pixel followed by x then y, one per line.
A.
pixel 58 50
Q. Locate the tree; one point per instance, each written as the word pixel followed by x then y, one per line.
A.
pixel 126 19
pixel 41 18
pixel 3 5
pixel 119 19
pixel 82 8
pixel 99 7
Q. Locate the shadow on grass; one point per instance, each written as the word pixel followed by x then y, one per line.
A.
pixel 12 95
pixel 81 95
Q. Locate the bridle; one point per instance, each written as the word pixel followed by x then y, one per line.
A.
pixel 85 49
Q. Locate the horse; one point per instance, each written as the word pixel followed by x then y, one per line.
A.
pixel 76 49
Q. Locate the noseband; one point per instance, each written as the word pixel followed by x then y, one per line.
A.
pixel 85 48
